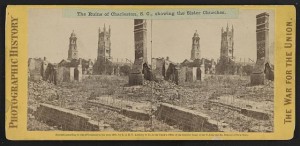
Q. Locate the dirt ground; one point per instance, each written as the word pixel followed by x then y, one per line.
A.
pixel 194 96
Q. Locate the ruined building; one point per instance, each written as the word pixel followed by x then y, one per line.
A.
pixel 42 69
pixel 74 67
pixel 262 69
pixel 196 68
pixel 165 69
pixel 195 52
pixel 140 69
pixel 73 51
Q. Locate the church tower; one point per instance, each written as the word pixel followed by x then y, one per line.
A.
pixel 104 44
pixel 195 52
pixel 73 52
pixel 227 44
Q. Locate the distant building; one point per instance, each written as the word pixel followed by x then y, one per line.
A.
pixel 209 65
pixel 87 65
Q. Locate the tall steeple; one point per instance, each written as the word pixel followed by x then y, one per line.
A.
pixel 195 52
pixel 104 44
pixel 73 52
pixel 227 44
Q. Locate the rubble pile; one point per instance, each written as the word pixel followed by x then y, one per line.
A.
pixel 162 84
pixel 40 91
pixel 45 92
pixel 179 95
pixel 239 122
pixel 191 95
pixel 257 93
pixel 34 125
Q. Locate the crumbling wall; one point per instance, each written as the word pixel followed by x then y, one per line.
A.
pixel 186 119
pixel 34 68
pixel 136 76
pixel 65 119
pixel 171 72
pixel 63 74
pixel 262 69
pixel 50 74
pixel 269 71
pixel 181 75
pixel 190 77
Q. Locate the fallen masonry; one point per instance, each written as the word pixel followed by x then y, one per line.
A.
pixel 188 120
pixel 247 108
pixel 66 119
pixel 128 109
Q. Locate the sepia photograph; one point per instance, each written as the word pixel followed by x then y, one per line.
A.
pixel 151 75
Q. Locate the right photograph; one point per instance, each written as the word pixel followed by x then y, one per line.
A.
pixel 226 80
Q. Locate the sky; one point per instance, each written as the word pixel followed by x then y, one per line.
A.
pixel 49 34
